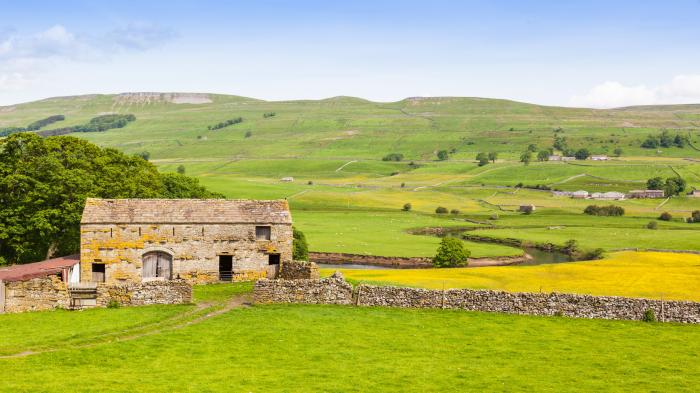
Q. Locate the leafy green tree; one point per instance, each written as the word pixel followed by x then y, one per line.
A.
pixel 617 152
pixel 443 155
pixel 177 186
pixel 543 155
pixel 655 183
pixel 532 148
pixel 674 186
pixel 665 216
pixel 44 183
pixel 493 156
pixel 571 247
pixel 582 154
pixel 145 155
pixel 441 210
pixel 181 169
pixel 300 248
pixel 483 159
pixel 407 207
pixel 526 157
pixel 451 253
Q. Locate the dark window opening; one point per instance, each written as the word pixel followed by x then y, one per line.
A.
pixel 263 233
pixel 98 272
pixel 225 268
pixel 139 231
pixel 173 231
pixel 273 259
pixel 110 232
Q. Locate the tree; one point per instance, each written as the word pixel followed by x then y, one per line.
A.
pixel 44 183
pixel 582 154
pixel 393 157
pixel 451 253
pixel 570 247
pixel 493 156
pixel 560 143
pixel 655 183
pixel 532 148
pixel 526 157
pixel 407 207
pixel 181 169
pixel 177 186
pixel 300 248
pixel 694 216
pixel 454 211
pixel 145 155
pixel 652 225
pixel 617 152
pixel 248 134
pixel 483 159
pixel 674 186
pixel 651 142
pixel 443 155
pixel 543 155
pixel 441 210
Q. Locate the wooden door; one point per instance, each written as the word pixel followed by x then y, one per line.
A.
pixel 157 264
pixel 164 268
pixel 150 265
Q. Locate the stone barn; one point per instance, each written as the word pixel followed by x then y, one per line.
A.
pixel 198 240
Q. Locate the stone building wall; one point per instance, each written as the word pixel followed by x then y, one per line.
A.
pixel 194 249
pixel 332 290
pixel 336 291
pixel 298 270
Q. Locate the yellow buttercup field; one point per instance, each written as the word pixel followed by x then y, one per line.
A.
pixel 651 275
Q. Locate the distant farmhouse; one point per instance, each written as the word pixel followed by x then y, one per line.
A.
pixel 527 209
pixel 639 194
pixel 196 240
pixel 555 157
pixel 695 194
pixel 599 158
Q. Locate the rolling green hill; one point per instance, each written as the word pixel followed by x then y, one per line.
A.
pixel 349 200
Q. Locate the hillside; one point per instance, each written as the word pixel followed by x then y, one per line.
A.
pixel 348 200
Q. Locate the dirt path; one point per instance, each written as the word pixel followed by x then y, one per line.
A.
pixel 137 332
pixel 344 165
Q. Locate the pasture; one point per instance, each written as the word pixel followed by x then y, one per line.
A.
pixel 339 349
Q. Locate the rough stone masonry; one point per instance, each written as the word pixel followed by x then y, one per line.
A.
pixel 335 290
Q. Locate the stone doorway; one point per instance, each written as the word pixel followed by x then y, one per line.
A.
pixel 225 268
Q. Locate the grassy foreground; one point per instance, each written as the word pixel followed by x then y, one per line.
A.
pixel 341 349
pixel 647 274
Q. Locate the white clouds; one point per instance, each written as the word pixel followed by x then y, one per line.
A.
pixel 682 89
pixel 14 81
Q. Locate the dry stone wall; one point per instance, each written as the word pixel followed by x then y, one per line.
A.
pixel 335 290
pixel 298 270
pixel 50 293
pixel 332 290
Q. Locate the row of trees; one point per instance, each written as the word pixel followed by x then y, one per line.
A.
pixel 44 183
pixel 7 131
pixel 484 158
pixel 665 139
pixel 96 124
pixel 225 123
pixel 610 210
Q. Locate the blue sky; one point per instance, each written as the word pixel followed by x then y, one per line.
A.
pixel 588 53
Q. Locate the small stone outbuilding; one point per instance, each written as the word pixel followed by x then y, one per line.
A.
pixel 198 240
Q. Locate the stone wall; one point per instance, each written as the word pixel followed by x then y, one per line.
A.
pixel 298 270
pixel 338 258
pixel 141 294
pixel 336 291
pixel 332 290
pixel 50 293
pixel 195 249
pixel 36 295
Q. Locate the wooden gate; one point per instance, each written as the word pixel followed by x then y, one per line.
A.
pixel 157 264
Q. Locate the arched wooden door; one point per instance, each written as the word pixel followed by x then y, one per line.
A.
pixel 157 264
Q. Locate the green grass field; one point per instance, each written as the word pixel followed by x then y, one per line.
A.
pixel 339 349
pixel 348 200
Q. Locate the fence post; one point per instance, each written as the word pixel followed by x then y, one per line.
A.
pixel 359 291
pixel 663 314
pixel 2 297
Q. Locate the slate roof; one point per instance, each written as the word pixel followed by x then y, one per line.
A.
pixel 185 211
pixel 37 269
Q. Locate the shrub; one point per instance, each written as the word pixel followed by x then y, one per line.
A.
pixel 269 114
pixel 393 157
pixel 407 207
pixel 526 157
pixel 652 225
pixel 441 210
pixel 454 211
pixel 694 216
pixel 482 158
pixel 570 247
pixel 649 316
pixel 610 210
pixel 394 173
pixel 403 185
pixel 300 248
pixel 310 182
pixel 226 123
pixel 597 253
pixel 181 169
pixel 145 155
pixel 451 253
pixel 493 156
pixel 248 134
pixel 113 304
pixel 665 216
pixel 443 155
pixel 582 154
